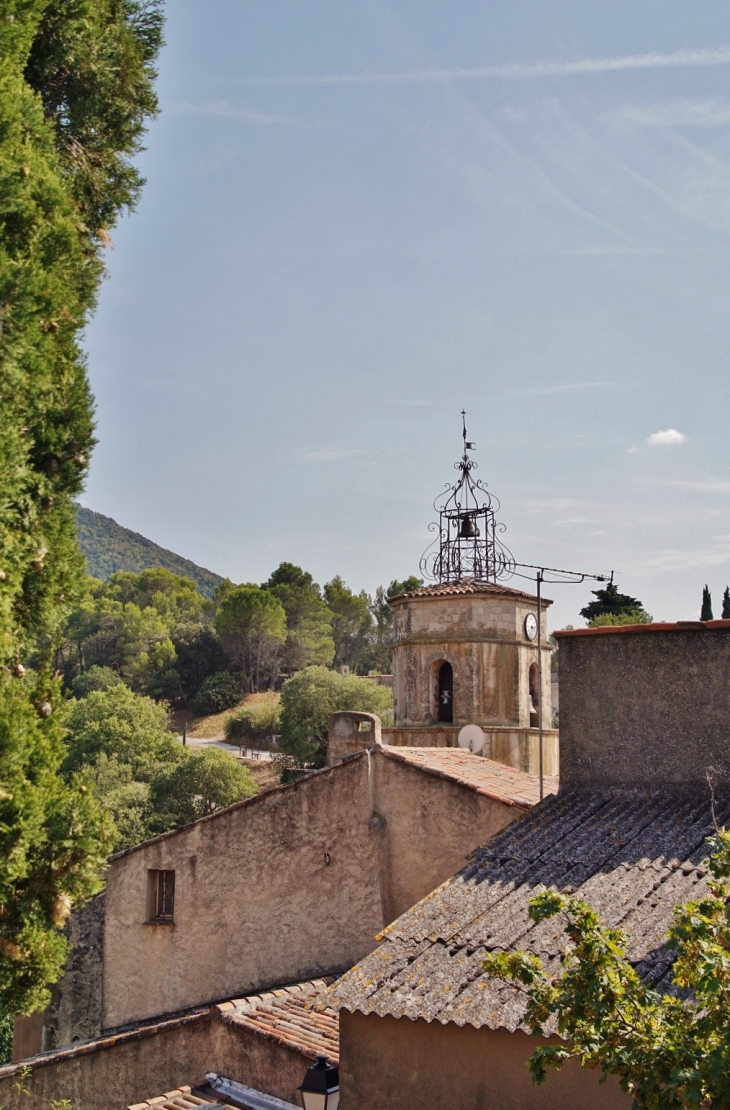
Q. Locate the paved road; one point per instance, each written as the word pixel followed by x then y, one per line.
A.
pixel 197 743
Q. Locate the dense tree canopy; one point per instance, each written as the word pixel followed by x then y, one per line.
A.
pixel 119 744
pixel 612 607
pixel 352 623
pixel 309 622
pixel 251 623
pixel 75 90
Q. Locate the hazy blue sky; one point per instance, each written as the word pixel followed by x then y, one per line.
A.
pixel 362 217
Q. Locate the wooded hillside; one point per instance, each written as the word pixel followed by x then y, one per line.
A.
pixel 109 547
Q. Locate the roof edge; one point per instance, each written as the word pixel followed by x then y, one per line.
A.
pixel 655 626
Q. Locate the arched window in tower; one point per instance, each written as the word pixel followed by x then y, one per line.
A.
pixel 534 695
pixel 446 693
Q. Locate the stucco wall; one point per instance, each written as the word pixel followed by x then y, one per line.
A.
pixel 138 1066
pixel 258 904
pixel 390 1064
pixel 644 707
pixel 483 638
pixel 430 827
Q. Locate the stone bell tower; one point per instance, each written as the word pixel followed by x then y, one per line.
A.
pixel 465 647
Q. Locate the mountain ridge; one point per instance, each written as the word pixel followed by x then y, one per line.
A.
pixel 110 547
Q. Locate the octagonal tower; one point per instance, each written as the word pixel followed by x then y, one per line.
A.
pixel 465 647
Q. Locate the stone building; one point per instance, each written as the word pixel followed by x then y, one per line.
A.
pixel 465 653
pixel 644 718
pixel 282 887
pixel 469 650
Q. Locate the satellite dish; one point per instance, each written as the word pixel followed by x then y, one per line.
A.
pixel 472 737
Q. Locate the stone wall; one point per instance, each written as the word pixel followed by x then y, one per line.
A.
pixel 391 1064
pixel 287 886
pixel 482 636
pixel 645 705
pixel 74 1013
pixel 146 1062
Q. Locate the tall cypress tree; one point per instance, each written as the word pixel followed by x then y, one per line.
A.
pixel 706 611
pixel 726 604
pixel 75 88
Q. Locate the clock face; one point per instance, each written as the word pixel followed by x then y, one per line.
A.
pixel 531 626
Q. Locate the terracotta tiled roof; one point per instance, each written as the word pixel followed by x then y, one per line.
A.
pixel 486 776
pixel 284 1015
pixel 631 855
pixel 180 1099
pixel 464 587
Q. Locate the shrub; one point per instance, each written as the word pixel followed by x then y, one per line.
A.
pixel 96 678
pixel 198 786
pixel 308 698
pixel 220 691
pixel 257 721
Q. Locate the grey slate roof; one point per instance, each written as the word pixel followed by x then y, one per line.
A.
pixel 632 856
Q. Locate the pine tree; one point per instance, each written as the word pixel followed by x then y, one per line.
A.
pixel 706 611
pixel 726 604
pixel 75 88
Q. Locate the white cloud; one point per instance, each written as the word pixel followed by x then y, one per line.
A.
pixel 670 437
pixel 702 56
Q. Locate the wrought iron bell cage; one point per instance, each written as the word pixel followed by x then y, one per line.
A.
pixel 467 542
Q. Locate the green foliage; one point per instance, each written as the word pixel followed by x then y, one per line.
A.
pixel 610 603
pixel 308 698
pixel 199 655
pixel 127 625
pixel 352 623
pixel 64 177
pixel 612 620
pixel 379 656
pixel 125 799
pixel 256 722
pixel 668 1052
pixel 109 547
pixel 309 622
pixel 706 610
pixel 219 691
pixel 726 604
pixel 251 624
pixel 118 745
pixel 52 846
pixel 96 678
pixel 198 786
pixel 6 1039
pixel 121 725
pixel 92 64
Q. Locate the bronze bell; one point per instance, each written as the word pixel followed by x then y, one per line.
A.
pixel 468 530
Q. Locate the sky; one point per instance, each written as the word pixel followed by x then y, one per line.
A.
pixel 361 218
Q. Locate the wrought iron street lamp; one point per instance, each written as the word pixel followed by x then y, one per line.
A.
pixel 321 1086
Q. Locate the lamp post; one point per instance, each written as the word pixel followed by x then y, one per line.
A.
pixel 321 1086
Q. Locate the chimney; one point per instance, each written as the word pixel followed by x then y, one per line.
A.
pixel 351 732
pixel 645 705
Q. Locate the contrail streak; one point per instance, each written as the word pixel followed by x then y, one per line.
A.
pixel 701 56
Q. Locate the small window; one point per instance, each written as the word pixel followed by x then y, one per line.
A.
pixel 534 695
pixel 161 896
